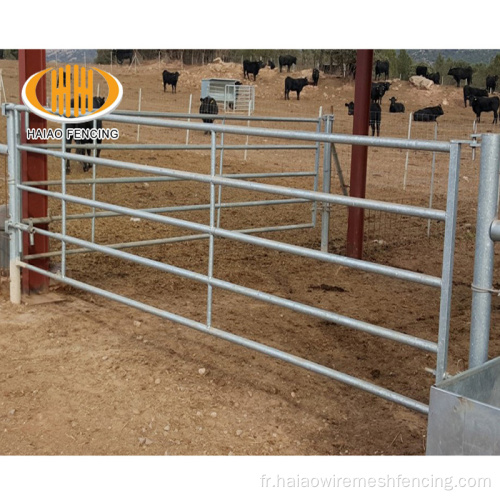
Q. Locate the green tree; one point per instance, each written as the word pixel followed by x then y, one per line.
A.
pixel 404 65
pixel 440 65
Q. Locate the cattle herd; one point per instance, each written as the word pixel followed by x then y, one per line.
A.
pixel 479 99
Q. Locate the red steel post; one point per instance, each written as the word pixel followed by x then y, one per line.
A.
pixel 359 157
pixel 34 168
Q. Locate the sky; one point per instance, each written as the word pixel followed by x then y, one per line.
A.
pixel 251 24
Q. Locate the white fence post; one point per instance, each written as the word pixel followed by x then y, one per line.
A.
pixel 189 119
pixel 407 153
pixel 431 195
pixel 138 109
pixel 248 125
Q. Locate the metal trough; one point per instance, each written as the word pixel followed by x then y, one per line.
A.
pixel 464 413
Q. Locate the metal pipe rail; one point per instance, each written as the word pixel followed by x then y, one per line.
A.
pixel 130 180
pixel 256 346
pixel 159 210
pixel 248 292
pixel 393 272
pixel 396 208
pixel 182 147
pixel 162 241
pixel 245 118
pixel 361 140
pixel 436 146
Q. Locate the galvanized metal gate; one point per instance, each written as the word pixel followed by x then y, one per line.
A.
pixel 320 200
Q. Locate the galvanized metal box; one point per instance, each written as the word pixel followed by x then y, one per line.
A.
pixel 464 413
pixel 230 93
pixel 216 87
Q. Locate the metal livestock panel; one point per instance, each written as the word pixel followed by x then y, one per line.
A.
pixel 216 180
pixel 239 99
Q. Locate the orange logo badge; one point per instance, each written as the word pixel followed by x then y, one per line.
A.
pixel 68 106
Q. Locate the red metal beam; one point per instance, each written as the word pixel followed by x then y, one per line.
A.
pixel 359 156
pixel 34 168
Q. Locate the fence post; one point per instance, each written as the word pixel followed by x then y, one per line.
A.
pixel 327 168
pixel 14 210
pixel 221 166
pixel 407 152
pixel 189 119
pixel 487 212
pixel 448 261
pixel 433 169
pixel 34 168
pixel 248 125
pixel 139 109
pixel 210 273
pixel 316 168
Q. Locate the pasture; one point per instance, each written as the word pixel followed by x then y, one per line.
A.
pixel 83 375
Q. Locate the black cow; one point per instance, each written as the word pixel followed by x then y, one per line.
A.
pixel 287 61
pixel 461 74
pixel 491 83
pixel 429 114
pixel 97 102
pixel 378 90
pixel 295 84
pixel 208 106
pixel 470 92
pixel 485 104
pixel 381 67
pixel 375 115
pixel 315 76
pixel 435 77
pixel 252 68
pixel 421 71
pixel 396 107
pixel 121 55
pixel 271 64
pixel 170 79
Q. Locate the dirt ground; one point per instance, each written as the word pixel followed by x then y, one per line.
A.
pixel 82 375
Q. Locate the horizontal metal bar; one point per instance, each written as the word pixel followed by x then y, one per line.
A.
pixel 4 149
pixel 361 265
pixel 183 147
pixel 131 180
pixel 183 208
pixel 348 201
pixel 338 319
pixel 256 346
pixel 360 140
pixel 163 241
pixel 187 116
pixel 248 292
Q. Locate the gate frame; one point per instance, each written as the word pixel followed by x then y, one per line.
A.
pixel 16 227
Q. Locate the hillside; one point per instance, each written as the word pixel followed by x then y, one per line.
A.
pixel 472 56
